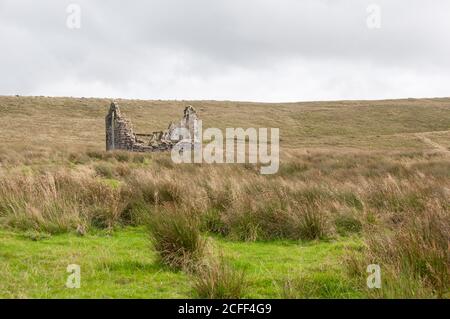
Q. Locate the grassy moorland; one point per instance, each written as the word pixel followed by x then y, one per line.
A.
pixel 360 182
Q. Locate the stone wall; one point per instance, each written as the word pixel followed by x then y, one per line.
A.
pixel 120 134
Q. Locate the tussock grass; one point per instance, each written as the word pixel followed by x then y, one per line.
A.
pixel 59 202
pixel 414 256
pixel 420 249
pixel 228 200
pixel 176 237
pixel 216 278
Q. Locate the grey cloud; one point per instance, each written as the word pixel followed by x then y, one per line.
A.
pixel 253 50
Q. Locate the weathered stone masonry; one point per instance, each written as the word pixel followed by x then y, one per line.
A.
pixel 120 135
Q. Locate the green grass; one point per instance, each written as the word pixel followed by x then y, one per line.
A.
pixel 270 264
pixel 123 265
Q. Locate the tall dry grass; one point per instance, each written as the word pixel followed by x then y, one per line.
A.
pixel 59 201
pixel 314 196
pixel 414 256
pixel 398 203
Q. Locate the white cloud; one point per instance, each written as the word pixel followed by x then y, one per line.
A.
pixel 260 50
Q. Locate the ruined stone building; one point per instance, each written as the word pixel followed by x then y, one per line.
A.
pixel 120 135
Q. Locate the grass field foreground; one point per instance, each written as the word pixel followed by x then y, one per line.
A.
pixel 360 182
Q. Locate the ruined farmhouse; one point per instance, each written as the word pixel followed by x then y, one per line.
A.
pixel 120 134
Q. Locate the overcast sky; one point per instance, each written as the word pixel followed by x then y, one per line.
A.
pixel 255 50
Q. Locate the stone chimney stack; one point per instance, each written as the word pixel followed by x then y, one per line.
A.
pixel 110 126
